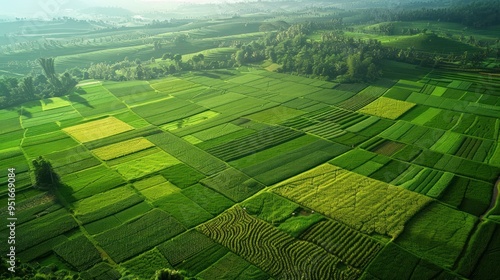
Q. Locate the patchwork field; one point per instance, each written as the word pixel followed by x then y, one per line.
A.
pixel 260 175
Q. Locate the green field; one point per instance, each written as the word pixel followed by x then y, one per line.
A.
pixel 252 140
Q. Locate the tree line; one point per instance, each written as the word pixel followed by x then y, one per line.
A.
pixel 14 91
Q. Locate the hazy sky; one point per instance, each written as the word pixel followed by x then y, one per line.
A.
pixel 34 8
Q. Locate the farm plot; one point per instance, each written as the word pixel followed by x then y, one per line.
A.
pixel 445 119
pixel 387 108
pixel 468 195
pixel 43 117
pixel 80 253
pixel 198 159
pixel 72 160
pixel 106 203
pixel 474 149
pixel 293 162
pixel 352 247
pixel 233 184
pixel 172 85
pixel 132 119
pixel 142 166
pixel 139 235
pixel 183 209
pixel 363 98
pixel 54 102
pixel 122 148
pixel 168 110
pixel 217 131
pixel 270 207
pixel 228 267
pixel 182 175
pixel 134 92
pixel 13 138
pixel 330 96
pixel 425 181
pixel 437 233
pixel 101 271
pixel 145 265
pixel 275 115
pixel 272 152
pixel 191 120
pixel 43 228
pixel 47 143
pixel 279 254
pixel 97 129
pixel 362 203
pixel 89 182
pixel 184 246
pixel 395 263
pixel 210 200
pixel 253 143
pixel 486 264
pixel 95 100
pixel 124 136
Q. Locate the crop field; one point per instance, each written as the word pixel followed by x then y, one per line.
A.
pixel 97 129
pixel 223 166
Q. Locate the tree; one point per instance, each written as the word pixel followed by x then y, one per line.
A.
pixel 45 176
pixel 167 274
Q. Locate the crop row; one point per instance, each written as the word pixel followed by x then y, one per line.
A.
pixel 293 162
pixel 233 184
pixel 134 237
pixel 184 246
pixel 122 148
pixel 80 253
pixel 198 159
pixel 365 204
pixel 105 204
pixel 253 143
pixel 97 129
pixel 349 245
pixel 272 250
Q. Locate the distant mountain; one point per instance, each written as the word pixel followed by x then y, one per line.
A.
pixel 108 11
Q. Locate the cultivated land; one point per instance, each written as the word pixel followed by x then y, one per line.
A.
pixel 245 173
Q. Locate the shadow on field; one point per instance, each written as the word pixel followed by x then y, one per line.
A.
pixel 24 113
pixel 209 75
pixel 64 195
pixel 80 100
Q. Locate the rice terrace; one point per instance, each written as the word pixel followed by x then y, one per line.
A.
pixel 297 139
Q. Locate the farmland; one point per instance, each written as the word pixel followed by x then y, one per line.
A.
pixel 226 149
